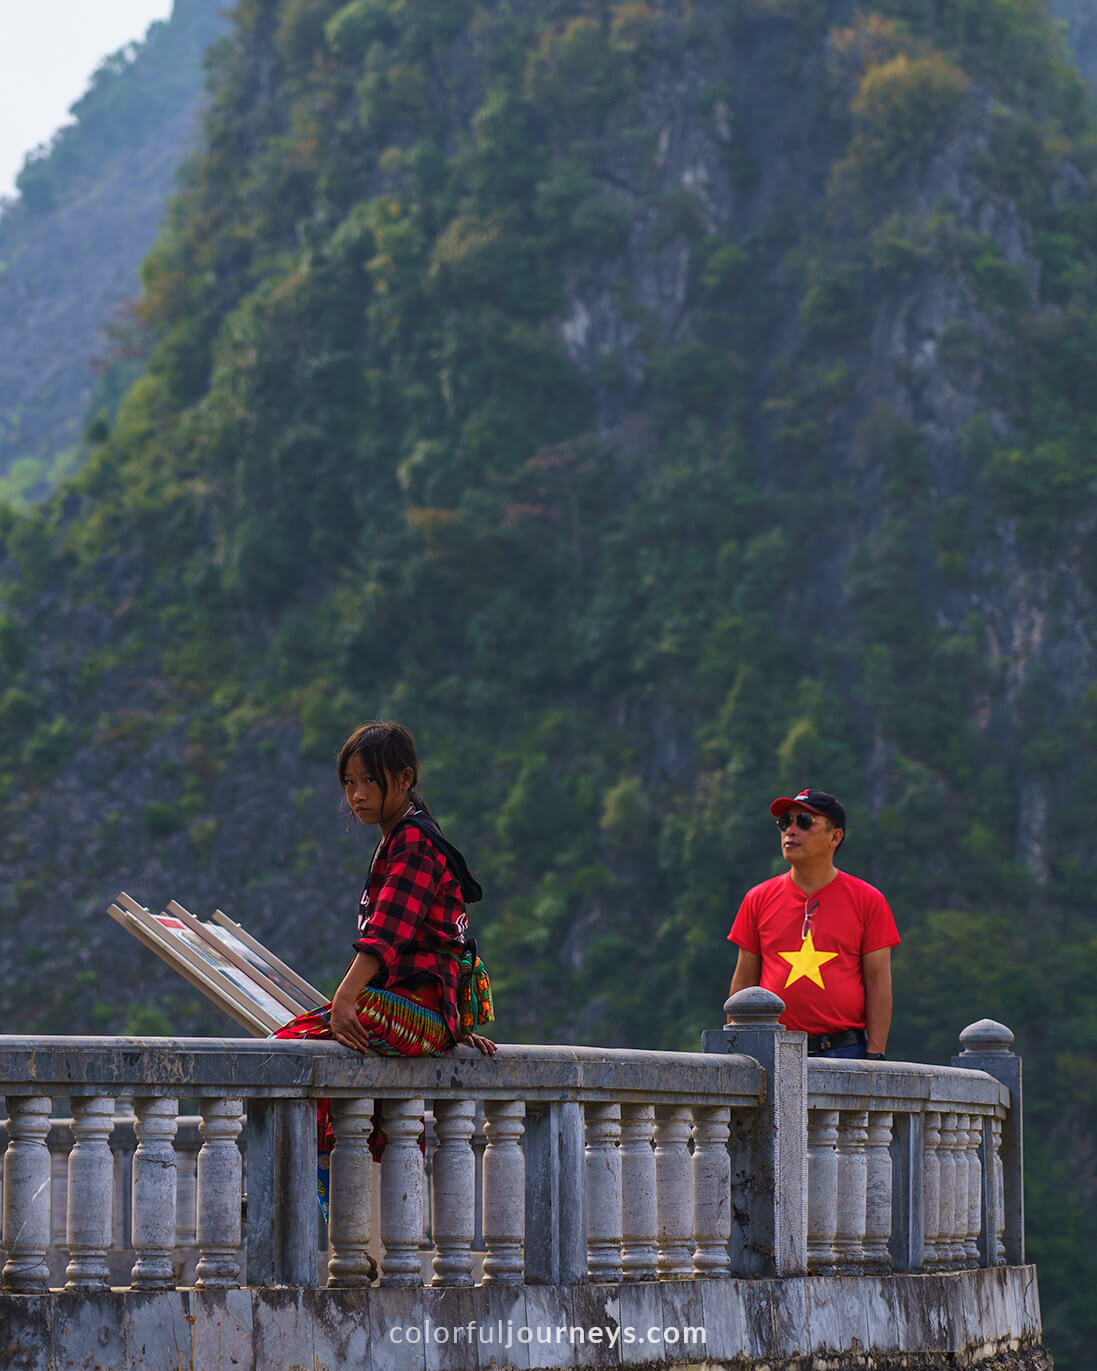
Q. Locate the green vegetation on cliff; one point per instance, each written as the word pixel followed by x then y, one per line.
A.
pixel 654 407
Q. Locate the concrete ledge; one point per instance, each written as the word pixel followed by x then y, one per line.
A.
pixel 989 1317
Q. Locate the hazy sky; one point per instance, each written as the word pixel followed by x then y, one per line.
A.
pixel 48 50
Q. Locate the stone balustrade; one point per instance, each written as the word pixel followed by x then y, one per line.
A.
pixel 595 1165
pixel 534 1206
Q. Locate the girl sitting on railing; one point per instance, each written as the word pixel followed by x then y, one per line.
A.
pixel 416 986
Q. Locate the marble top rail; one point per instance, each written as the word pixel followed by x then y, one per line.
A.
pixel 269 1068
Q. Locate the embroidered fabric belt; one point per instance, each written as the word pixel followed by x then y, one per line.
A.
pixel 846 1038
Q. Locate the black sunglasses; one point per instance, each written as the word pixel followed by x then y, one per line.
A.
pixel 802 821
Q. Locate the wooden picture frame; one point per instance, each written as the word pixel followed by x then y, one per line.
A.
pixel 222 960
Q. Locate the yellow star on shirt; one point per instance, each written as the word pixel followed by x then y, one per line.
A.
pixel 806 962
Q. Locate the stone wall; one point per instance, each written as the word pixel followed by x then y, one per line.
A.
pixel 989 1317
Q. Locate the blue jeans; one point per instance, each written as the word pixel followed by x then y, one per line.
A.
pixel 856 1050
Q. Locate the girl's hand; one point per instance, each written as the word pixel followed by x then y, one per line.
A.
pixel 484 1045
pixel 346 1027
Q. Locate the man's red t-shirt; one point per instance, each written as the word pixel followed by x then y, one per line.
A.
pixel 818 977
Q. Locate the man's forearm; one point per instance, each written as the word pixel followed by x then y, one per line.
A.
pixel 747 973
pixel 877 1015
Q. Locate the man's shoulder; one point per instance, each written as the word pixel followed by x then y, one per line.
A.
pixel 767 890
pixel 857 889
pixel 863 895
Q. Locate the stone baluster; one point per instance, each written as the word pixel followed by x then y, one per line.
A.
pixel 402 1193
pixel 504 1192
pixel 931 1175
pixel 674 1191
pixel 822 1189
pixel 91 1193
pixel 986 1047
pixel 218 1202
pixel 603 1159
pixel 946 1193
pixel 153 1190
pixel 26 1228
pixel 974 1190
pixel 851 1209
pixel 711 1190
pixel 350 1194
pixel 963 1199
pixel 878 1176
pixel 639 1221
pixel 453 1192
pixel 959 1196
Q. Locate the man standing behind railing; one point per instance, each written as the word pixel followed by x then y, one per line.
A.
pixel 818 937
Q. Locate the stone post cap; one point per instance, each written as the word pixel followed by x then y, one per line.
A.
pixel 754 1006
pixel 987 1035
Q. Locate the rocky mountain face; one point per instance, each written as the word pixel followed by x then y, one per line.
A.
pixel 654 406
pixel 1079 21
pixel 72 242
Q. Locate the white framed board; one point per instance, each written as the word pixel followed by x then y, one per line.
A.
pixel 222 960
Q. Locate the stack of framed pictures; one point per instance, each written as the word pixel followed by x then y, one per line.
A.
pixel 222 960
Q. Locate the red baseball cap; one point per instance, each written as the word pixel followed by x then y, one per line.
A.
pixel 817 801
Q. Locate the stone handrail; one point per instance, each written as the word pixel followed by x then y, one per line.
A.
pixel 600 1165
pixel 552 1211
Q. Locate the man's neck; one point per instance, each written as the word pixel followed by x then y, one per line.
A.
pixel 812 876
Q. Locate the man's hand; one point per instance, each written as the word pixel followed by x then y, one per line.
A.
pixel 484 1045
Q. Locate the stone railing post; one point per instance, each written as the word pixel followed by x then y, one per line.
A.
pixel 91 1193
pixel 849 1236
pixel 946 1192
pixel 153 1182
pixel 350 1194
pixel 822 1190
pixel 639 1254
pixel 603 1192
pixel 769 1175
pixel 219 1175
pixel 711 1191
pixel 986 1047
pixel 556 1193
pixel 402 1193
pixel 877 1191
pixel 931 1190
pixel 504 1192
pixel 27 1195
pixel 453 1191
pixel 674 1191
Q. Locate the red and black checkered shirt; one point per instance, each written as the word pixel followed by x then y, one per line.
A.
pixel 412 916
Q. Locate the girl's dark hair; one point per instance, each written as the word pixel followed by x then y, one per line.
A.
pixel 385 749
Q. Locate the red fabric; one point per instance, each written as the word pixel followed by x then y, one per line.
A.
pixel 852 919
pixel 412 917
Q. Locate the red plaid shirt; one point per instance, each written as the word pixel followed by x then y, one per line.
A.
pixel 412 916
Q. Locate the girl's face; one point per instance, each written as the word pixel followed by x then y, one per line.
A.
pixel 372 802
